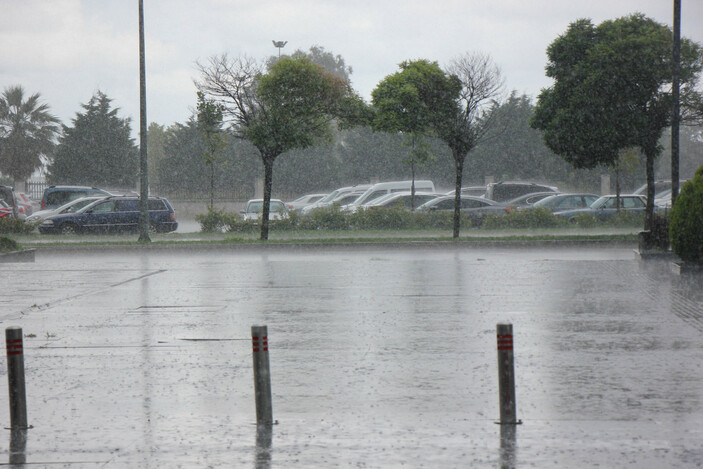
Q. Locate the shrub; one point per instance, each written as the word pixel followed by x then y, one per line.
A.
pixel 327 218
pixel 686 222
pixel 8 245
pixel 16 225
pixel 532 218
pixel 213 220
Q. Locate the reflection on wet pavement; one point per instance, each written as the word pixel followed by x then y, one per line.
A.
pixel 381 357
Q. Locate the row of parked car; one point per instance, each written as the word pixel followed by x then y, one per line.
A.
pixel 14 204
pixel 477 202
pixel 81 209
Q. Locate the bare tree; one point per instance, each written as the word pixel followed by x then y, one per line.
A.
pixel 482 86
pixel 231 84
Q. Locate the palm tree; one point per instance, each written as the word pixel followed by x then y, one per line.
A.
pixel 27 131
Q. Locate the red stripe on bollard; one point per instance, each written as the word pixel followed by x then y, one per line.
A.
pixel 14 347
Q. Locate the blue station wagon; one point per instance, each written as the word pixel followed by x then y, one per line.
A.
pixel 116 214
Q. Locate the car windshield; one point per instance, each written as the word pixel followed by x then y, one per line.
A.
pixel 546 201
pixel 255 207
pixel 600 202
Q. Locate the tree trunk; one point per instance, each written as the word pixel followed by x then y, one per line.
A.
pixel 650 153
pixel 412 186
pixel 268 184
pixel 212 185
pixel 617 189
pixel 459 167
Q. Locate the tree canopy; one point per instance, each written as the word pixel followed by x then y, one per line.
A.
pixel 612 90
pixel 292 106
pixel 27 132
pixel 97 149
pixel 414 102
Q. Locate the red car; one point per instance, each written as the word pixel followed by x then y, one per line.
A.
pixel 5 210
pixel 24 205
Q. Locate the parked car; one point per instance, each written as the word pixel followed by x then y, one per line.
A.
pixel 24 205
pixel 254 208
pixel 70 207
pixel 476 208
pixel 504 191
pixel 329 199
pixel 383 188
pixel 56 196
pixel 401 199
pixel 478 191
pixel 113 214
pixel 5 210
pixel 7 195
pixel 561 202
pixel 605 207
pixel 527 200
pixel 304 201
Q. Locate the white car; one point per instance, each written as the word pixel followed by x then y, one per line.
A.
pixel 70 207
pixel 304 201
pixel 254 208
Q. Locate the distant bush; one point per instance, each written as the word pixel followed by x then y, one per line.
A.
pixel 625 218
pixel 532 218
pixel 334 219
pixel 16 226
pixel 686 222
pixel 213 220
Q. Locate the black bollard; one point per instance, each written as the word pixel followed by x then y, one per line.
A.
pixel 262 375
pixel 15 378
pixel 506 375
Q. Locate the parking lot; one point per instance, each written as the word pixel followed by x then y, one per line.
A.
pixel 381 356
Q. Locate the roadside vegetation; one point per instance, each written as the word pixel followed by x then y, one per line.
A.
pixel 397 219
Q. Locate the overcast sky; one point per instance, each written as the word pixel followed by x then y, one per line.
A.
pixel 66 50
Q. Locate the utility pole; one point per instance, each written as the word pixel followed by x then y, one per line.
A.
pixel 675 94
pixel 143 176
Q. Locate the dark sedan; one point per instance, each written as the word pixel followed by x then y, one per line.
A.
pixel 476 208
pixel 116 214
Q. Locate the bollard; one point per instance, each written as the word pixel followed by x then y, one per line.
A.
pixel 262 375
pixel 506 375
pixel 15 378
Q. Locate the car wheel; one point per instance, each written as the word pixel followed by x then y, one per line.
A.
pixel 153 228
pixel 69 229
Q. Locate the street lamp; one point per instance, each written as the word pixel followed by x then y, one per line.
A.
pixel 279 45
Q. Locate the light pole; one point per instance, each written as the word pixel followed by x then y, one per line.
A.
pixel 279 45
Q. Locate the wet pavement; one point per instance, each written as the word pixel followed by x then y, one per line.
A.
pixel 380 357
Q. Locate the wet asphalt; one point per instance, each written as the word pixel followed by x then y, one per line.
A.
pixel 380 357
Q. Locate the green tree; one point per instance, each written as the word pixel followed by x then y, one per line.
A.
pixel 291 106
pixel 333 64
pixel 480 84
pixel 97 149
pixel 210 123
pixel 611 91
pixel 27 132
pixel 413 102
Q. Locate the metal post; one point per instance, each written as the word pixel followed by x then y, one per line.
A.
pixel 506 375
pixel 15 377
pixel 262 375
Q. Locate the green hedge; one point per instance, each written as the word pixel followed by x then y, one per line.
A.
pixel 334 219
pixel 16 226
pixel 686 221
